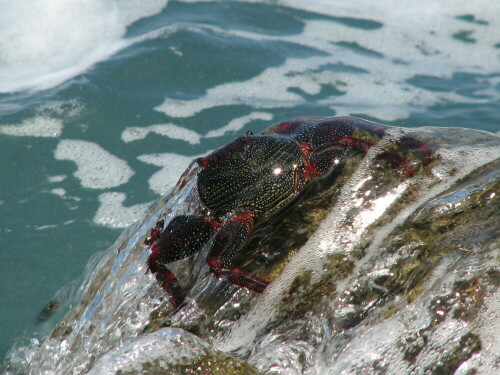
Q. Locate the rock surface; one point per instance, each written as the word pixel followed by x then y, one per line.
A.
pixel 379 274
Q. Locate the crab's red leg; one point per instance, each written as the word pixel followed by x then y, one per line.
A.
pixel 167 281
pixel 227 242
pixel 332 138
pixel 409 143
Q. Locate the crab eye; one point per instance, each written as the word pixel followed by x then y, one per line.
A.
pixel 277 171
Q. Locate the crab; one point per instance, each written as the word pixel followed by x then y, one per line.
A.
pixel 242 184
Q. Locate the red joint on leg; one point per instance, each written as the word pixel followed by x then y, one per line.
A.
pixel 246 217
pixel 348 141
pixel 305 148
pixel 308 171
pixel 407 170
pixel 235 274
pixel 154 253
pixel 155 232
pixel 169 278
pixel 202 162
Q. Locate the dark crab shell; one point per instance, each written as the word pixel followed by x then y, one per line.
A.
pixel 255 171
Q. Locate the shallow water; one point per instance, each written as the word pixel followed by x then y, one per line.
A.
pixel 104 103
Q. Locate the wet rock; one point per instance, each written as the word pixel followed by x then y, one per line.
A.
pixel 374 272
pixel 168 351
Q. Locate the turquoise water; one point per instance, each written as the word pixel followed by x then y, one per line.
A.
pixel 103 104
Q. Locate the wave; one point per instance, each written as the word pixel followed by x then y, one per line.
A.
pixel 44 43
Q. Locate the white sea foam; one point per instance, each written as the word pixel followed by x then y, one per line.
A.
pixel 168 130
pixel 38 126
pixel 372 93
pixel 177 132
pixel 43 43
pixel 172 165
pixel 113 213
pixel 417 39
pixel 96 167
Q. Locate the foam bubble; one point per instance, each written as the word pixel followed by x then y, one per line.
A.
pixel 38 126
pixel 169 130
pixel 59 191
pixel 62 193
pixel 112 213
pixel 43 43
pixel 57 178
pixel 96 167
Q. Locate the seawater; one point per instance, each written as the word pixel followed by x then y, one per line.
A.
pixel 104 103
